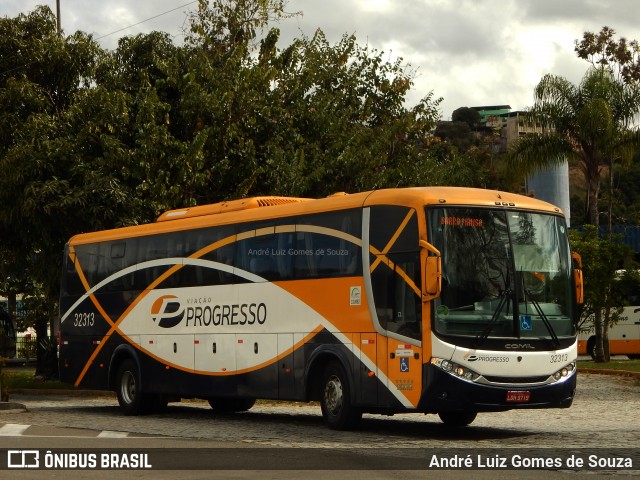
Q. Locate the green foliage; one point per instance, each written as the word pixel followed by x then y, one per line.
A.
pixel 468 115
pixel 457 133
pixel 16 379
pixel 604 287
pixel 93 139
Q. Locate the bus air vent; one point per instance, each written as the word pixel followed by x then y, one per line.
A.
pixel 230 206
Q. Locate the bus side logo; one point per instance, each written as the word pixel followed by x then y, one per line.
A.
pixel 167 311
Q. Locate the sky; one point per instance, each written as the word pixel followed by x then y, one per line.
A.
pixel 469 52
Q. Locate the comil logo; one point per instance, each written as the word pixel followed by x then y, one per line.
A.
pixel 167 311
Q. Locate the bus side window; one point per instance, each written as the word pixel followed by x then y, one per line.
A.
pixel 266 254
pixel 168 249
pixel 197 241
pixel 71 284
pixel 122 254
pixel 284 263
pixel 304 265
pixel 92 262
pixel 395 278
pixel 326 245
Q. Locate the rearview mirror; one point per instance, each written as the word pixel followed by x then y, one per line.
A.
pixel 577 277
pixel 432 272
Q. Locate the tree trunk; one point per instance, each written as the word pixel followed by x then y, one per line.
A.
pixel 47 362
pixel 591 169
pixel 41 335
pixel 12 303
pixel 599 331
pixel 610 203
pixel 605 335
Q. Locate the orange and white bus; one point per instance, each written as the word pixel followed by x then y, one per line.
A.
pixel 438 300
pixel 624 336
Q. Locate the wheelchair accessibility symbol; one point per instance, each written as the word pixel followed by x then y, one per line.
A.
pixel 525 323
pixel 404 364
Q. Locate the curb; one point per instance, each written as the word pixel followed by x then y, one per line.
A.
pixel 12 406
pixel 61 391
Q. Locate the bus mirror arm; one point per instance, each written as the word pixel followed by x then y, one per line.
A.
pixel 577 259
pixel 430 248
pixel 432 272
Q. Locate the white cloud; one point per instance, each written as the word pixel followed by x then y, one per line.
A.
pixel 471 52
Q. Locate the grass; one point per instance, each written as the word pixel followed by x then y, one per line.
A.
pixel 24 378
pixel 627 365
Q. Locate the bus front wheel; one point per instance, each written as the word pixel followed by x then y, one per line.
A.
pixel 457 419
pixel 335 399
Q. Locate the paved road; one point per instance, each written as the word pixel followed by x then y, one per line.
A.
pixel 604 417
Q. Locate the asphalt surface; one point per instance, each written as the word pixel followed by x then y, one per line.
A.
pixel 290 437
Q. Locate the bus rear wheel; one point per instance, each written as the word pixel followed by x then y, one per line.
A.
pixel 335 399
pixel 130 397
pixel 457 419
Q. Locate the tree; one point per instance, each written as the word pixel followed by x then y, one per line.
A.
pixel 622 60
pixel 603 51
pixel 604 288
pixel 587 123
pixel 468 115
pixel 41 204
pixel 626 197
pixel 457 133
pixel 307 120
pixel 93 139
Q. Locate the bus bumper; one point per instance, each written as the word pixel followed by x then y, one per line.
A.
pixel 444 392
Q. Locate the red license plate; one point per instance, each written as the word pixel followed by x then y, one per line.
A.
pixel 518 396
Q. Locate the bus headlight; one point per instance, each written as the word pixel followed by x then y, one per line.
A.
pixel 454 369
pixel 564 372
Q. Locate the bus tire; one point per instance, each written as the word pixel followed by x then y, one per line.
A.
pixel 457 419
pixel 335 399
pixel 130 398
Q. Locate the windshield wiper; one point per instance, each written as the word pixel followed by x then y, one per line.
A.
pixel 543 316
pixel 528 296
pixel 505 297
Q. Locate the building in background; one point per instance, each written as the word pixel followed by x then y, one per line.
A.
pixel 550 184
pixel 499 127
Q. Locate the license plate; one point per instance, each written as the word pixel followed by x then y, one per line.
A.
pixel 518 396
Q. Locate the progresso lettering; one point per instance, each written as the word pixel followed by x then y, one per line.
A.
pixel 217 315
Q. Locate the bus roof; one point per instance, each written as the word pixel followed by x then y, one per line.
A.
pixel 264 208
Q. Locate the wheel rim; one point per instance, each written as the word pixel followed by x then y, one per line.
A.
pixel 128 387
pixel 333 395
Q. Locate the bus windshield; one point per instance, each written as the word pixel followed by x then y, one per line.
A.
pixel 505 274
